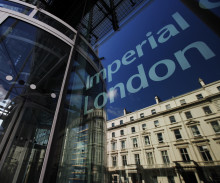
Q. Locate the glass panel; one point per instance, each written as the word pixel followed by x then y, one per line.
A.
pixel 28 55
pixel 55 24
pixel 88 50
pixel 15 7
pixel 215 126
pixel 77 159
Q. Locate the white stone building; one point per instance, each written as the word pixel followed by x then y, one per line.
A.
pixel 177 140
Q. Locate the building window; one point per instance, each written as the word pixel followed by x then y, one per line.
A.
pixel 150 159
pixel 144 126
pixel 147 140
pixel 171 179
pixel 113 134
pixel 184 154
pixel 121 122
pixel 156 123
pixel 142 115
pixel 207 110
pixel 199 96
pixel 168 106
pixel 122 132
pixel 113 146
pixel 195 131
pixel 124 160
pixel 188 115
pixel 132 118
pixel 205 153
pixel 113 124
pixel 135 144
pixel 160 137
pixel 177 134
pixel 215 126
pixel 132 129
pixel 137 159
pixel 154 179
pixel 218 87
pixel 115 179
pixel 183 101
pixel 123 144
pixel 172 119
pixel 165 157
pixel 153 111
pixel 114 161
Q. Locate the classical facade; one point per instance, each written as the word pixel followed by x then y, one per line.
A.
pixel 177 140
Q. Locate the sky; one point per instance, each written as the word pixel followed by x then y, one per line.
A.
pixel 146 57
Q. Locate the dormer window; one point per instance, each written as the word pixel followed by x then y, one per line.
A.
pixel 113 124
pixel 142 115
pixel 121 122
pixel 153 111
pixel 168 106
pixel 199 96
pixel 183 101
pixel 132 118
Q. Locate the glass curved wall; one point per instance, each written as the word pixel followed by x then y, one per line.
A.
pixel 45 133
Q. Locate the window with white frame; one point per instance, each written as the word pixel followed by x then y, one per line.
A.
pixel 121 122
pixel 184 154
pixel 199 96
pixel 144 126
pixel 113 146
pixel 177 134
pixel 215 126
pixel 121 132
pixel 113 124
pixel 153 111
pixel 150 159
pixel 207 110
pixel 123 144
pixel 195 131
pixel 135 143
pixel 165 157
pixel 160 137
pixel 133 129
pixel 168 106
pixel 172 119
pixel 183 101
pixel 156 123
pixel 137 159
pixel 205 153
pixel 188 115
pixel 124 160
pixel 113 134
pixel 146 140
pixel 142 115
pixel 132 118
pixel 114 161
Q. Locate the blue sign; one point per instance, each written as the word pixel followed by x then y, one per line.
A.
pixel 162 52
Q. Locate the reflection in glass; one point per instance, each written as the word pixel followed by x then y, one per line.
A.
pixel 78 146
pixel 36 60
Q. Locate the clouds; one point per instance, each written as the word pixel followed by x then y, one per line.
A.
pixel 114 111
